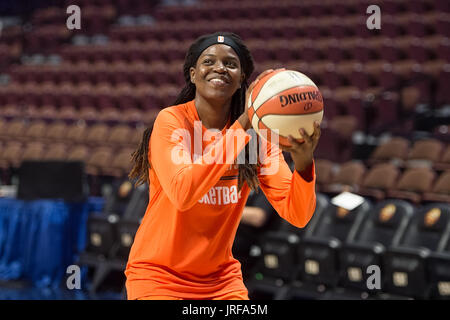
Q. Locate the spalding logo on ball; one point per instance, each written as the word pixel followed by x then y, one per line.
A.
pixel 285 100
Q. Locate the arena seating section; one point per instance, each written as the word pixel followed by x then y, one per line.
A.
pixel 88 95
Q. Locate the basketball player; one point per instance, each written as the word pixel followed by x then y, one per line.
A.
pixel 182 249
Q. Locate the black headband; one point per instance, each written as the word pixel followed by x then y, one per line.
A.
pixel 218 39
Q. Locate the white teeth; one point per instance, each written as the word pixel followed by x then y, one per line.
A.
pixel 217 81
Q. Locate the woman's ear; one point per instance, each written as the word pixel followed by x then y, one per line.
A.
pixel 192 73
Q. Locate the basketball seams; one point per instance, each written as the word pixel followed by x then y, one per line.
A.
pixel 289 124
pixel 288 102
pixel 277 83
pixel 286 115
pixel 261 83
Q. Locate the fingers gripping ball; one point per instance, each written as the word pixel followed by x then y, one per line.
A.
pixel 284 100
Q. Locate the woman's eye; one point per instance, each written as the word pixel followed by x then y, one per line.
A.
pixel 207 61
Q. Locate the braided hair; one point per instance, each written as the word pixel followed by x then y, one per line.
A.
pixel 247 171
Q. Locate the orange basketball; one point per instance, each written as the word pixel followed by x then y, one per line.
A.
pixel 284 100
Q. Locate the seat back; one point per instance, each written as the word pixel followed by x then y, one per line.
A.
pixel 384 226
pixel 406 265
pixel 395 148
pixel 279 249
pixel 338 223
pixel 324 172
pixel 385 223
pixel 427 227
pixel 426 150
pixel 442 184
pixel 382 176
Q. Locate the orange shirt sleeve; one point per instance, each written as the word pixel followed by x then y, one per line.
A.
pixel 292 196
pixel 184 179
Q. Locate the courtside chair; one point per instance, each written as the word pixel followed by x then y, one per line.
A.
pixel 383 227
pixel 319 251
pixel 111 234
pixel 439 268
pixel 405 264
pixel 129 223
pixel 278 264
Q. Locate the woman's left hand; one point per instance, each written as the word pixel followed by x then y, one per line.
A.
pixel 302 152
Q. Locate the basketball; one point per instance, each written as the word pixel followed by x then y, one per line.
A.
pixel 284 100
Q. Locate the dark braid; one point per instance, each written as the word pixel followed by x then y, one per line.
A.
pixel 140 159
pixel 247 171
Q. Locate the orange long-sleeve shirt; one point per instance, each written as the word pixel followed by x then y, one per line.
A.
pixel 183 245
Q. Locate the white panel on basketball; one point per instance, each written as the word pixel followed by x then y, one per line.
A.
pixel 255 121
pixel 249 100
pixel 290 124
pixel 280 82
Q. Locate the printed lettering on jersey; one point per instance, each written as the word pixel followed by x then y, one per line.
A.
pixel 221 195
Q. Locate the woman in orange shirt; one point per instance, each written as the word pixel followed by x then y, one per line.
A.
pixel 198 188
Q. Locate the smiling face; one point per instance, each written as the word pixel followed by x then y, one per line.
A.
pixel 217 74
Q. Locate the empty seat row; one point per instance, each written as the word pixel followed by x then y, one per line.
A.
pixel 70 114
pixel 11 35
pixel 99 134
pixel 376 48
pixel 117 72
pixel 402 152
pixel 290 28
pixel 384 180
pixel 103 15
pixel 110 233
pixel 199 14
pixel 99 160
pixel 307 8
pixel 328 75
pixel 101 96
pixel 406 247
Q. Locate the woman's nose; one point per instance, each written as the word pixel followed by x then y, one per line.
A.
pixel 219 67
